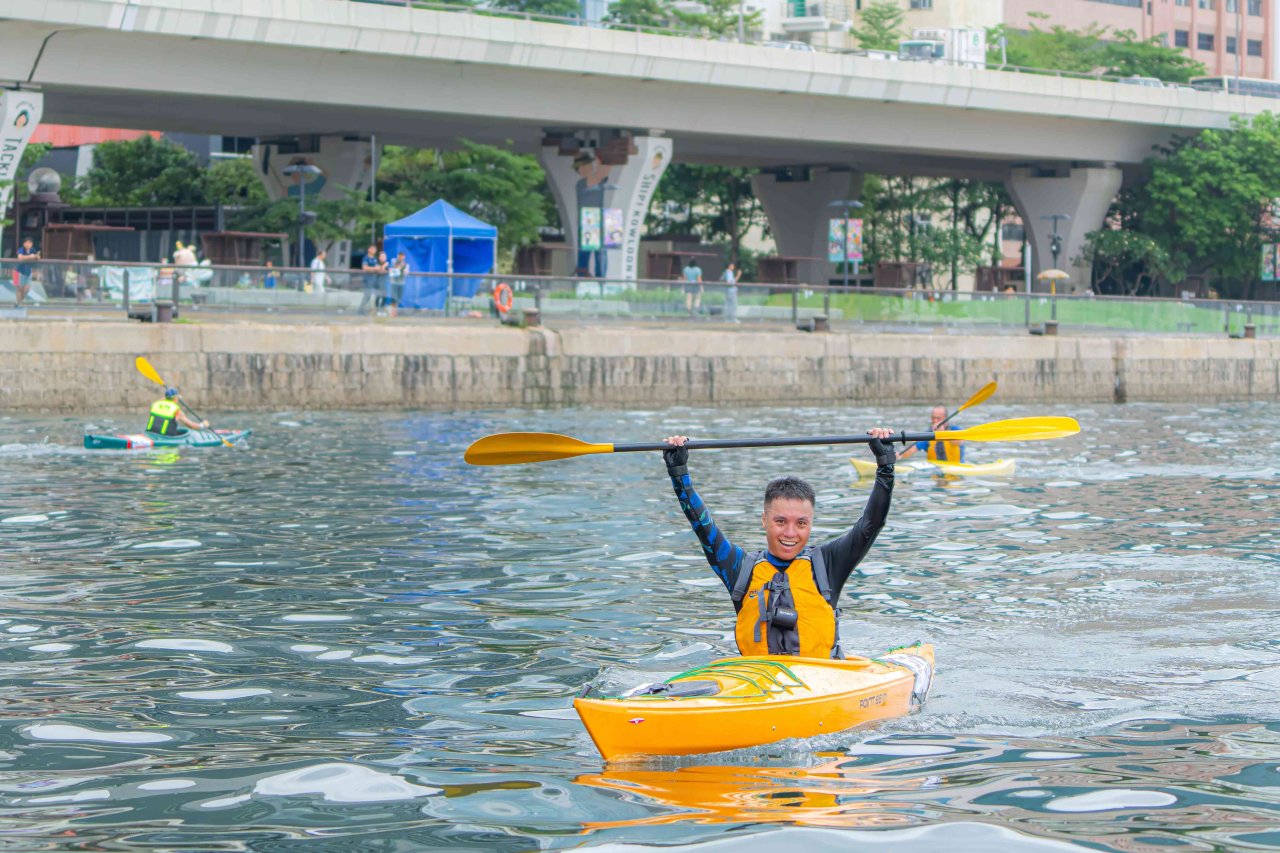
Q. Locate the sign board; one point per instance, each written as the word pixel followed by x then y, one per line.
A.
pixel 844 240
pixel 589 237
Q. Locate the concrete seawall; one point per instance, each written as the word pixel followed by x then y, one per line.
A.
pixel 58 366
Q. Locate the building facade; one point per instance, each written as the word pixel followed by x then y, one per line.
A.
pixel 1231 37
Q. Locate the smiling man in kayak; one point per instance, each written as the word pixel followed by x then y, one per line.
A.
pixel 938 451
pixel 785 596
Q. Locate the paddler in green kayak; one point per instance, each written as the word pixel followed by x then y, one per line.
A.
pixel 167 417
pixel 938 451
pixel 786 596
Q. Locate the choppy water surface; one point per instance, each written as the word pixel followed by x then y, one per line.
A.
pixel 343 637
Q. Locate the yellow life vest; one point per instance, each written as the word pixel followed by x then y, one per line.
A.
pixel 760 583
pixel 945 451
pixel 163 418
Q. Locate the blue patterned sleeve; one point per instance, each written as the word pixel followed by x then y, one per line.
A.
pixel 725 557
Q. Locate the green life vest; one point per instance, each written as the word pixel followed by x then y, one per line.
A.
pixel 163 418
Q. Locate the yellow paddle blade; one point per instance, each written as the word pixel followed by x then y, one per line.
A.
pixel 519 448
pixel 980 397
pixel 145 368
pixel 1017 429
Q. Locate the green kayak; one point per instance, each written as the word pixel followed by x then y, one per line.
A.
pixel 148 440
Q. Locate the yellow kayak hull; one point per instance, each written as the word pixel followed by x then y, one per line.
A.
pixel 757 700
pixel 999 468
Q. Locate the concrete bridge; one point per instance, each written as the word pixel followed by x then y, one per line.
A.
pixel 317 78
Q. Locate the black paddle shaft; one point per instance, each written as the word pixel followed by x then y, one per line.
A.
pixel 190 410
pixel 720 443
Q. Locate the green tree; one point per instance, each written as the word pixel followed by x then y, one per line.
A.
pixel 145 171
pixel 639 13
pixel 234 182
pixel 880 26
pixel 555 8
pixel 1126 262
pixel 716 203
pixel 1126 55
pixel 950 224
pixel 492 183
pixel 971 216
pixel 1055 47
pixel 1092 50
pixel 1210 199
pixel 721 18
pixel 348 218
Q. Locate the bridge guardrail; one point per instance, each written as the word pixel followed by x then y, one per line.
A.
pixel 707 36
pixel 137 287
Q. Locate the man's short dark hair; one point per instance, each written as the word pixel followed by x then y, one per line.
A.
pixel 791 488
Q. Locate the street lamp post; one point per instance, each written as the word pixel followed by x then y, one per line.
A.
pixel 1055 247
pixel 306 170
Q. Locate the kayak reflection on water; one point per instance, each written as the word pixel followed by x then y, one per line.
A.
pixel 832 794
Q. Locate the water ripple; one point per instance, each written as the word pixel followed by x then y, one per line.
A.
pixel 345 637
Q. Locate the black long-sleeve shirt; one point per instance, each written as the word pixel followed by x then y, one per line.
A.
pixel 841 554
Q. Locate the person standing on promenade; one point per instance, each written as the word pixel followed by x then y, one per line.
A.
pixel 22 280
pixel 318 275
pixel 397 274
pixel 730 278
pixel 369 280
pixel 692 287
pixel 384 284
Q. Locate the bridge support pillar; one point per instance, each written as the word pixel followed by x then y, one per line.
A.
pixel 1082 194
pixel 20 112
pixel 345 164
pixel 798 202
pixel 603 181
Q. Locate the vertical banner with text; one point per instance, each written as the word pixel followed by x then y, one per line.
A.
pixel 19 116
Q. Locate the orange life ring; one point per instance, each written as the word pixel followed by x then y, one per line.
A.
pixel 503 298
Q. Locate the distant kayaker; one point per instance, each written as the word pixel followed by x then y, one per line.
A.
pixel 785 596
pixel 938 451
pixel 167 417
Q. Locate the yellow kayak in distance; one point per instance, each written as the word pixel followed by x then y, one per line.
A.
pixel 742 702
pixel 1000 468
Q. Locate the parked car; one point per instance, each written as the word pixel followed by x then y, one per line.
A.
pixel 1135 80
pixel 791 45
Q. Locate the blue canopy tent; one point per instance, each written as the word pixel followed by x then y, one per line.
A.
pixel 441 239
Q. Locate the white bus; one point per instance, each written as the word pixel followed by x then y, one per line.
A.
pixel 1238 86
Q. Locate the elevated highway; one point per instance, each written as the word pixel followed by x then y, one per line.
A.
pixel 334 68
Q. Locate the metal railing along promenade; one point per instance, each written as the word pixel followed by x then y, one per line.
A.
pixel 140 289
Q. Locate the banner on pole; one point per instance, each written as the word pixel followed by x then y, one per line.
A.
pixel 19 116
pixel 836 241
pixel 589 238
pixel 853 240
pixel 613 229
pixel 844 240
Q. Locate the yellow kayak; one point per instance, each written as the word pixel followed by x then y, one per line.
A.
pixel 1000 468
pixel 741 702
